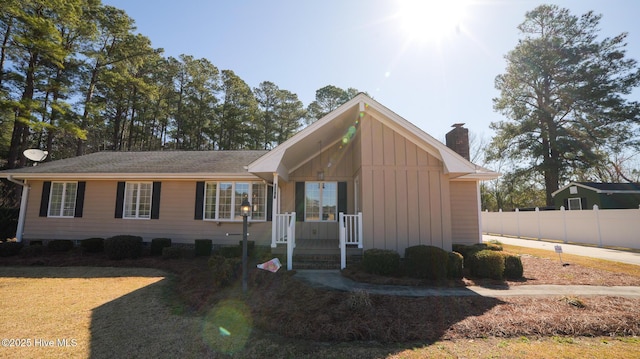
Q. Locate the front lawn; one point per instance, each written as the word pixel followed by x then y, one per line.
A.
pixel 169 308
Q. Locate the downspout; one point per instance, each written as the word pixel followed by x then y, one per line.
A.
pixel 23 206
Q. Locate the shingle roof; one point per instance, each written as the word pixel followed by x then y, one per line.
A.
pixel 612 186
pixel 149 162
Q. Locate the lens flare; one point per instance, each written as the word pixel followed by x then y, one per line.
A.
pixel 227 327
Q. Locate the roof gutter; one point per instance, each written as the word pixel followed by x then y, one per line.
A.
pixel 23 206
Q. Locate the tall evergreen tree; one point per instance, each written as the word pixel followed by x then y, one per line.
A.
pixel 563 93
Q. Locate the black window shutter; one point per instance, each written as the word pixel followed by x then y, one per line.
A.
pixel 119 200
pixel 342 197
pixel 199 210
pixel 269 203
pixel 44 200
pixel 155 200
pixel 300 201
pixel 80 199
pixel 583 201
pixel 566 203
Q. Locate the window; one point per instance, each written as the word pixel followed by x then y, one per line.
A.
pixel 62 199
pixel 575 203
pixel 321 201
pixel 222 200
pixel 137 200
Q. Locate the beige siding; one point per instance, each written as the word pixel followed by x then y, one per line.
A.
pixel 464 213
pixel 405 194
pixel 177 207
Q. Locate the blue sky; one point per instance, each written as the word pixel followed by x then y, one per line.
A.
pixel 433 76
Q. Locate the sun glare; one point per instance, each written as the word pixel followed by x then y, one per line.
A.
pixel 430 20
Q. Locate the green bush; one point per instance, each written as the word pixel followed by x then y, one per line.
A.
pixel 225 270
pixel 513 268
pixel 381 261
pixel 92 245
pixel 123 246
pixel 262 253
pixel 158 244
pixel 8 249
pixel 230 251
pixel 171 252
pixel 454 267
pixel 60 245
pixel 486 264
pixel 32 251
pixel 469 250
pixel 203 247
pixel 426 262
pixel 8 222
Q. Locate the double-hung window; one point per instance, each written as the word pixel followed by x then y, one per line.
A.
pixel 222 200
pixel 321 201
pixel 62 199
pixel 137 200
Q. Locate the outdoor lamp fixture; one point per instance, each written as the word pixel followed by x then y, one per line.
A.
pixel 245 209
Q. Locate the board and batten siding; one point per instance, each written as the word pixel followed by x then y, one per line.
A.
pixel 405 193
pixel 465 221
pixel 176 218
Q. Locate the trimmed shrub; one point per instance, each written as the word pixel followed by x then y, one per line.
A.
pixel 158 244
pixel 60 245
pixel 427 262
pixel 171 252
pixel 203 247
pixel 486 264
pixel 262 253
pixel 469 250
pixel 225 270
pixel 123 246
pixel 454 267
pixel 381 261
pixel 513 268
pixel 32 251
pixel 92 245
pixel 8 249
pixel 230 251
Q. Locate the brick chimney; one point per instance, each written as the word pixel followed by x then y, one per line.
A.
pixel 458 140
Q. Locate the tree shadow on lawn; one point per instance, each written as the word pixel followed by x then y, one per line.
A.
pixel 141 324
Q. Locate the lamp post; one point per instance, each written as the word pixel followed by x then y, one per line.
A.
pixel 245 208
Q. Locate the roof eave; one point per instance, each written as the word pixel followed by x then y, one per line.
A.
pixel 128 176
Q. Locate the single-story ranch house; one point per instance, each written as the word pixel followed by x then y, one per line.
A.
pixel 361 176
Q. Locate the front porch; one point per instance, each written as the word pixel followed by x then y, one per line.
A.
pixel 317 253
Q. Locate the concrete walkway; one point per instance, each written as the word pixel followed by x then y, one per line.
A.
pixel 332 279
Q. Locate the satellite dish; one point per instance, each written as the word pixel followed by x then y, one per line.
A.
pixel 35 155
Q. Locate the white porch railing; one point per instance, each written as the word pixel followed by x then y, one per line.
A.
pixel 350 231
pixel 284 232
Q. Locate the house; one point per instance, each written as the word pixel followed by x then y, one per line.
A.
pixel 361 177
pixel 584 195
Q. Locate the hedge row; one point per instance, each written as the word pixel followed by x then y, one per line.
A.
pixel 487 260
pixel 484 260
pixel 426 262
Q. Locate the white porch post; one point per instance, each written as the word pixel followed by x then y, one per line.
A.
pixel 275 206
pixel 23 212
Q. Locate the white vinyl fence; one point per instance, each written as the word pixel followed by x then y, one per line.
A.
pixel 601 227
